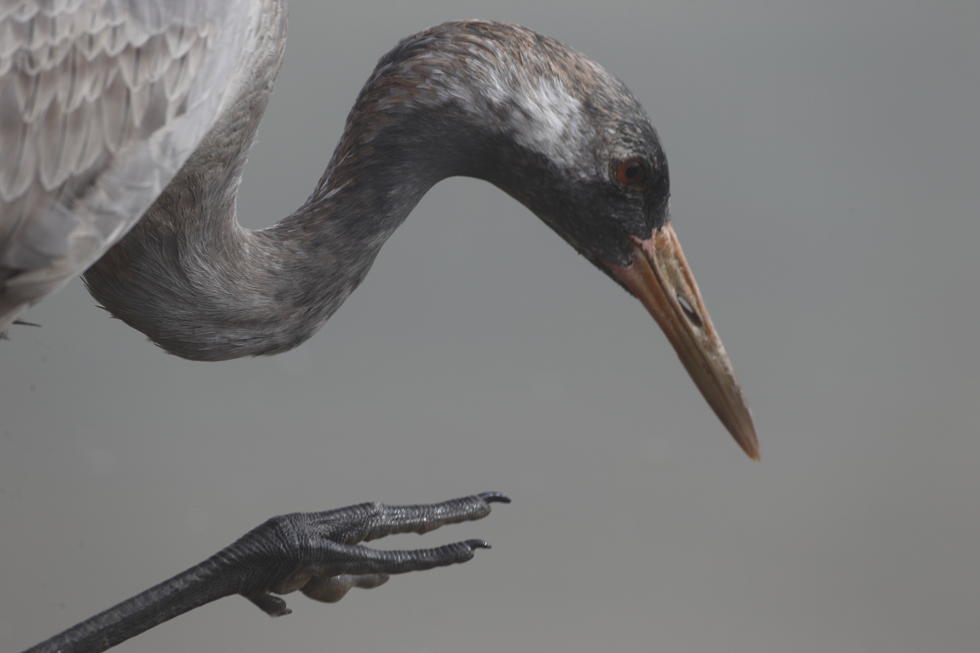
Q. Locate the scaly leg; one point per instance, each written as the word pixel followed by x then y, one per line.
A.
pixel 317 553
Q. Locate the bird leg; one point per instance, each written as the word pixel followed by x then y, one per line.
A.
pixel 317 553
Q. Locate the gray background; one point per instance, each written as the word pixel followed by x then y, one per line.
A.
pixel 825 186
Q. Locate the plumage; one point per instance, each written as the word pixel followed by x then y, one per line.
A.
pixel 101 102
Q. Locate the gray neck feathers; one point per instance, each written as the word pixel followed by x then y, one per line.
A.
pixel 202 287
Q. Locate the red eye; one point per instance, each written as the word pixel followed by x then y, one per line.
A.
pixel 631 173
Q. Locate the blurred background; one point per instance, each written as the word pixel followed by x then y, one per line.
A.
pixel 824 164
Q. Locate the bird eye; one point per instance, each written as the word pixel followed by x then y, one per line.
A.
pixel 631 173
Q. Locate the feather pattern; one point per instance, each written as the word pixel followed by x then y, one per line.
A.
pixel 101 103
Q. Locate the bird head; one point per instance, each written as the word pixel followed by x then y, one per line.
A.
pixel 605 187
pixel 569 140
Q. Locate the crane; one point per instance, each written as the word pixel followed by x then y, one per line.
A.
pixel 124 132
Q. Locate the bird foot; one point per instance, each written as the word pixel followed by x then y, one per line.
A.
pixel 317 553
pixel 320 554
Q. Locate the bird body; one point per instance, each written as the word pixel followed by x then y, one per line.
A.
pixel 102 102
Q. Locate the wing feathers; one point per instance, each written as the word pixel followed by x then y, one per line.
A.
pixel 94 104
pixel 81 78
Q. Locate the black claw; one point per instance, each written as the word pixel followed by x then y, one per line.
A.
pixel 477 544
pixel 271 605
pixel 494 497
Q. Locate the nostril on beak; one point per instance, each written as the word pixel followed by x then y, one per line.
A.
pixel 692 317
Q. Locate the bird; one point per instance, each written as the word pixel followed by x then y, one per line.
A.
pixel 125 126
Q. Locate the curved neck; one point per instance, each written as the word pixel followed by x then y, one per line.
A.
pixel 202 287
pixel 205 288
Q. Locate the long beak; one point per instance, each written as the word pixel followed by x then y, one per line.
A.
pixel 660 279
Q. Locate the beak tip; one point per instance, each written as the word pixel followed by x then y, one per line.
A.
pixel 660 278
pixel 749 443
